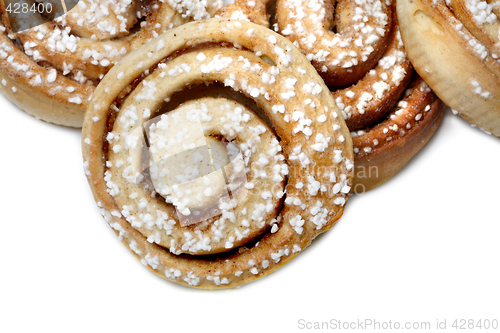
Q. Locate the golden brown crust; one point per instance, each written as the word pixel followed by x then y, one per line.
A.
pixel 50 71
pixel 464 72
pixel 57 110
pixel 268 70
pixel 381 151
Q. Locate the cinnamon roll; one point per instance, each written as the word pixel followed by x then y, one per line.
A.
pixel 216 153
pixel 455 48
pixel 51 70
pixel 357 48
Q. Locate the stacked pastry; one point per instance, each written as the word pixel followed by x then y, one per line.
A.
pixel 356 47
pixel 219 149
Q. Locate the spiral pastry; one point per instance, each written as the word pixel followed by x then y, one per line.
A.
pixel 212 160
pixel 455 47
pixel 50 71
pixel 365 63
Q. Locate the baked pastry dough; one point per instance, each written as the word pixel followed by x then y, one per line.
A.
pixel 344 56
pixel 154 143
pixel 51 70
pixel 455 47
pixel 365 53
pixel 381 150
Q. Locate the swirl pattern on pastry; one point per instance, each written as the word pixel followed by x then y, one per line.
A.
pixel 186 218
pixel 345 56
pixel 372 98
pixel 455 48
pixel 342 57
pixel 51 70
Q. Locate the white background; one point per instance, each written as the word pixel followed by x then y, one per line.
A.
pixel 422 247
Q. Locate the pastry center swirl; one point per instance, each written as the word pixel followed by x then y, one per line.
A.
pixel 196 162
pixel 216 170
